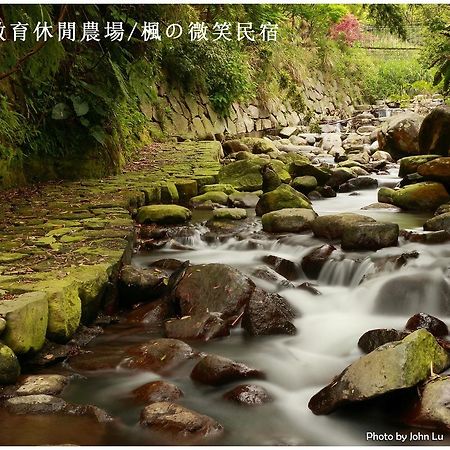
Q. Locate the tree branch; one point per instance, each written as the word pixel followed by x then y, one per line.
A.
pixel 35 49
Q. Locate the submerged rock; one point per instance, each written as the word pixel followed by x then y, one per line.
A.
pixel 229 214
pixel 48 384
pixel 432 324
pixel 179 424
pixel 268 314
pixel 212 288
pixel 290 220
pixel 333 226
pixel 370 236
pixel 158 355
pixel 203 326
pixel 373 339
pixel 248 395
pixel 425 196
pixel 216 370
pixel 163 214
pixel 157 391
pixel 283 197
pixel 393 366
pixel 151 314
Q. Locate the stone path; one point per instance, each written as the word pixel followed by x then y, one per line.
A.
pixel 62 244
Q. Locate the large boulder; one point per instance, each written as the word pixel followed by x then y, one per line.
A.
pixel 268 313
pixel 283 197
pixel 9 365
pixel 425 196
pixel 213 288
pixel 437 169
pixel 216 370
pixel 333 226
pixel 178 424
pixel 388 368
pixel 243 175
pixel 434 134
pixel 370 236
pixel 163 214
pixel 409 164
pixel 399 135
pixel 291 220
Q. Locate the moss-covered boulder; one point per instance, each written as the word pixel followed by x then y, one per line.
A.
pixel 333 226
pixel 239 156
pixel 300 169
pixel 370 236
pixel 258 145
pixel 425 196
pixel 26 319
pixel 225 188
pixel 186 189
pixel 385 195
pixel 283 197
pixel 243 175
pixel 9 365
pixel 282 170
pixel 230 214
pixel 437 169
pixel 409 164
pixel 209 198
pixel 163 214
pixel 169 193
pixel 393 366
pixel 290 220
pixel 304 184
pixel 152 194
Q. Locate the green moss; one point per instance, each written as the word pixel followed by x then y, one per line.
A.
pixel 212 196
pixel 282 197
pixel 9 365
pixel 165 214
pixel 226 188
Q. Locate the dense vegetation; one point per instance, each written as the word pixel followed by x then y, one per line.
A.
pixel 60 97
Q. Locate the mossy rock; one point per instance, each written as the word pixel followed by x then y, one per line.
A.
pixel 304 184
pixel 333 226
pixel 385 195
pixel 163 214
pixel 9 365
pixel 26 322
pixel 425 196
pixel 440 222
pixel 290 220
pixel 297 169
pixel 216 197
pixel 437 170
pixel 243 175
pixel 409 164
pixel 186 189
pixel 258 145
pixel 240 156
pixel 370 236
pixel 292 157
pixel 226 188
pixel 282 170
pixel 230 214
pixel 391 367
pixel 169 193
pixel 152 194
pixel 282 197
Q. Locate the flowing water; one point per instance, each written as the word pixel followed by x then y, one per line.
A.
pixel 357 294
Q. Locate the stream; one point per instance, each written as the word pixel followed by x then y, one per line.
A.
pixel 354 299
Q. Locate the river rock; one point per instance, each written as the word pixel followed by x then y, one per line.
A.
pixel 399 135
pixel 385 195
pixel 370 236
pixel 290 220
pixel 234 146
pixel 258 145
pixel 203 327
pixel 208 200
pixel 409 164
pixel 438 169
pixel 151 314
pixel 434 134
pixel 213 288
pixel 216 370
pixel 49 384
pixel 243 175
pixel 340 176
pixel 271 179
pixel 313 261
pixel 163 214
pixel 304 184
pixel 243 200
pixel 392 366
pixel 219 187
pixel 283 197
pixel 301 169
pixel 248 395
pixel 284 267
pixel 157 391
pixel 179 424
pixel 358 183
pixel 373 339
pixel 159 355
pixel 309 287
pixel 379 205
pixel 169 264
pixel 140 285
pixel 325 191
pixel 229 214
pixel 268 274
pixel 441 222
pixel 432 324
pixel 9 365
pixel 379 155
pixel 426 196
pixel 268 314
pixel 333 226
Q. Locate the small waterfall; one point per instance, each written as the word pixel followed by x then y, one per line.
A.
pixel 346 272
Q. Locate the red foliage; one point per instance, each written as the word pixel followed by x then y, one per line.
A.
pixel 347 29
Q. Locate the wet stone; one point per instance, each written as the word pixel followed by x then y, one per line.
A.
pixel 248 395
pixel 150 314
pixel 313 262
pixel 373 339
pixel 157 391
pixel 288 269
pixel 48 384
pixel 432 324
pixel 216 370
